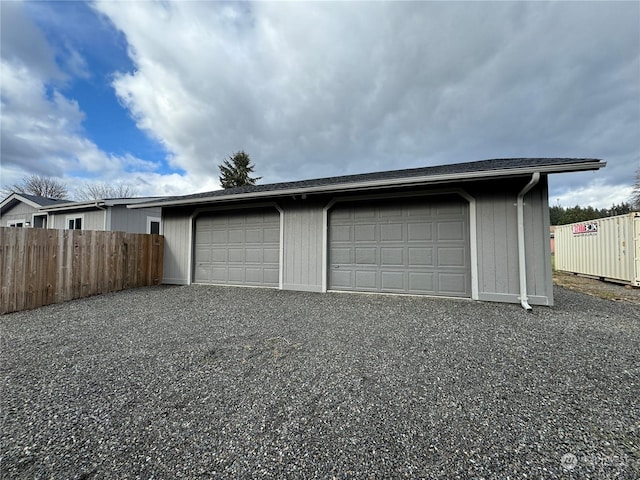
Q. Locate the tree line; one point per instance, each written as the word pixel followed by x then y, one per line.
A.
pixel 562 216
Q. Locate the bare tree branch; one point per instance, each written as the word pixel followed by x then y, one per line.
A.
pixel 41 186
pixel 101 190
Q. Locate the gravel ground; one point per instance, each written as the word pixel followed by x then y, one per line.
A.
pixel 213 382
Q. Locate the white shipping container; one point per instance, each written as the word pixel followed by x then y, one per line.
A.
pixel 607 248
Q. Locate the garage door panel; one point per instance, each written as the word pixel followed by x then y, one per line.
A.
pixel 390 212
pixel 364 213
pixel 421 256
pixel 271 256
pixel 392 256
pixel 218 274
pixel 241 248
pixel 391 232
pixel 452 283
pixel 253 235
pixel 365 233
pixel 341 279
pixel 253 255
pixel 216 237
pixel 342 255
pixel 409 246
pixel 451 257
pixel 451 231
pixel 419 232
pixel 393 281
pixel 452 209
pixel 421 282
pixel 217 255
pixel 235 237
pixel 342 233
pixel 271 235
pixel 366 280
pixel 366 256
pixel 271 276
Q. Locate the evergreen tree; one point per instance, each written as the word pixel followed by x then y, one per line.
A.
pixel 236 171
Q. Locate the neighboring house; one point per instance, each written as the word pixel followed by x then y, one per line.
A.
pixel 23 210
pixel 552 234
pixel 477 230
pixel 111 214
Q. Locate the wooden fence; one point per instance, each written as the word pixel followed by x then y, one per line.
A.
pixel 43 266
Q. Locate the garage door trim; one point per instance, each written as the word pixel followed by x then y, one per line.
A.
pixel 232 208
pixel 473 244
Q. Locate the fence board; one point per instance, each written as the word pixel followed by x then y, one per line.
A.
pixel 40 266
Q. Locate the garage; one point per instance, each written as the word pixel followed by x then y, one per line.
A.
pixel 416 246
pixel 238 248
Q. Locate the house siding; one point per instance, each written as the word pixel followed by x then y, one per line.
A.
pixel 129 220
pixel 21 211
pixel 92 219
pixel 498 271
pixel 176 224
pixel 302 237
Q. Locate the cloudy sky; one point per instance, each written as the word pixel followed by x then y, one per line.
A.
pixel 159 93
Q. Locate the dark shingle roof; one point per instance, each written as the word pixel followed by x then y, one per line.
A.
pixel 42 201
pixel 451 170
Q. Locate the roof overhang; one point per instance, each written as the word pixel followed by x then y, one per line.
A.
pixel 15 198
pixel 99 204
pixel 415 181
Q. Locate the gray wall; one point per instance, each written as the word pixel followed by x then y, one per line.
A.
pixel 498 272
pixel 92 219
pixel 496 241
pixel 302 240
pixel 21 211
pixel 131 220
pixel 176 226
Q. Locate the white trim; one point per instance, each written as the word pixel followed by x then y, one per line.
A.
pixel 373 184
pixel 325 243
pixel 473 239
pixel 74 217
pixel 18 198
pixel 197 211
pixel 12 223
pixel 107 219
pixel 154 219
pixel 39 214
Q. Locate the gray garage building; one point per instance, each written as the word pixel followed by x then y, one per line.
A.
pixel 478 230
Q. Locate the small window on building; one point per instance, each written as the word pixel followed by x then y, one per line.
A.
pixel 153 225
pixel 16 223
pixel 74 223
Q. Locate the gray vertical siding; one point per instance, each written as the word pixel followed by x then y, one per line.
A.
pixel 177 246
pixel 21 211
pixel 131 220
pixel 302 247
pixel 92 220
pixel 498 274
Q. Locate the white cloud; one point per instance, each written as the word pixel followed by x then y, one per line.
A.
pixel 326 88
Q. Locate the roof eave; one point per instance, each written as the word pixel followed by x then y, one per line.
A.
pixel 385 183
pixel 73 206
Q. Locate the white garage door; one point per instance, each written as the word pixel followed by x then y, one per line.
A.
pixel 238 248
pixel 417 246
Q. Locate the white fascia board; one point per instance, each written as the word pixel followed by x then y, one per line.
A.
pixel 74 206
pixel 393 182
pixel 16 197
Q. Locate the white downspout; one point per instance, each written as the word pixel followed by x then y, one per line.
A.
pixel 522 259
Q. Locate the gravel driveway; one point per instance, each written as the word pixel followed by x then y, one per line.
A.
pixel 213 382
